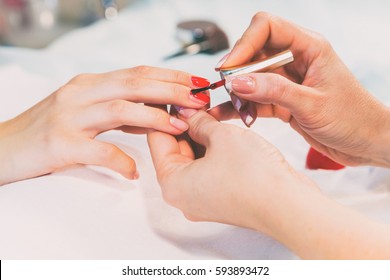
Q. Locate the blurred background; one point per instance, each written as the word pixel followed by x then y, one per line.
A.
pixel 36 23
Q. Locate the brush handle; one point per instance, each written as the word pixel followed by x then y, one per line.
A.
pixel 266 65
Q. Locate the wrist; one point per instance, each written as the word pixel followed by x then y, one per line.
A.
pixel 4 155
pixel 316 227
pixel 13 159
pixel 275 209
pixel 379 150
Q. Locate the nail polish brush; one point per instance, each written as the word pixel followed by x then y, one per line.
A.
pixel 211 86
pixel 266 65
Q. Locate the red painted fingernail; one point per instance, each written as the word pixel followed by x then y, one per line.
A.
pixel 199 81
pixel 200 98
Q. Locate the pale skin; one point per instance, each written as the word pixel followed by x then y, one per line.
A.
pixel 60 131
pixel 243 180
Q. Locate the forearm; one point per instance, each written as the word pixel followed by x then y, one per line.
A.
pixel 315 227
pixel 4 155
pixel 19 156
pixel 8 167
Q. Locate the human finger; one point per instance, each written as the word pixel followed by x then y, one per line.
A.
pixel 94 152
pixel 269 31
pixel 113 114
pixel 270 88
pixel 142 90
pixel 224 111
pixel 202 126
pixel 166 153
pixel 160 74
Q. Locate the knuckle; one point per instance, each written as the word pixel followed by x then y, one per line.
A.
pixel 117 108
pixel 160 117
pixel 179 76
pixel 191 217
pixel 195 127
pixel 178 91
pixel 141 70
pixel 132 83
pixel 106 152
pixel 279 85
pixel 62 95
pixel 279 90
pixel 200 126
pixel 81 78
pixel 321 40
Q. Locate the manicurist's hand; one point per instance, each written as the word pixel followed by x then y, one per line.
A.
pixel 243 180
pixel 234 180
pixel 60 130
pixel 316 94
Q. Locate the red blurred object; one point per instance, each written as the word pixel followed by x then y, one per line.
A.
pixel 316 160
pixel 15 3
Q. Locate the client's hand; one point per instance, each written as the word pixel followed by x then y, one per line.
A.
pixel 60 130
pixel 316 94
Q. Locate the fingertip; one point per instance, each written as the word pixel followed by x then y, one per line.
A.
pixel 128 169
pixel 238 55
pixel 269 88
pixel 221 62
pixel 130 174
pixel 201 126
pixel 186 112
pixel 135 175
pixel 241 84
pixel 178 124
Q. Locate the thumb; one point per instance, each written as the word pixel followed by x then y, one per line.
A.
pixel 202 126
pixel 271 88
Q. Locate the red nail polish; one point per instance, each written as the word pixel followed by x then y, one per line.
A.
pixel 199 81
pixel 203 97
pixel 316 160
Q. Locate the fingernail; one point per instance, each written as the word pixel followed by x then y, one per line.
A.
pixel 237 102
pixel 200 82
pixel 246 118
pixel 242 84
pixel 221 62
pixel 200 98
pixel 179 124
pixel 228 84
pixel 251 114
pixel 186 112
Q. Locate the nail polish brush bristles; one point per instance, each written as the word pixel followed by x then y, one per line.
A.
pixel 212 86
